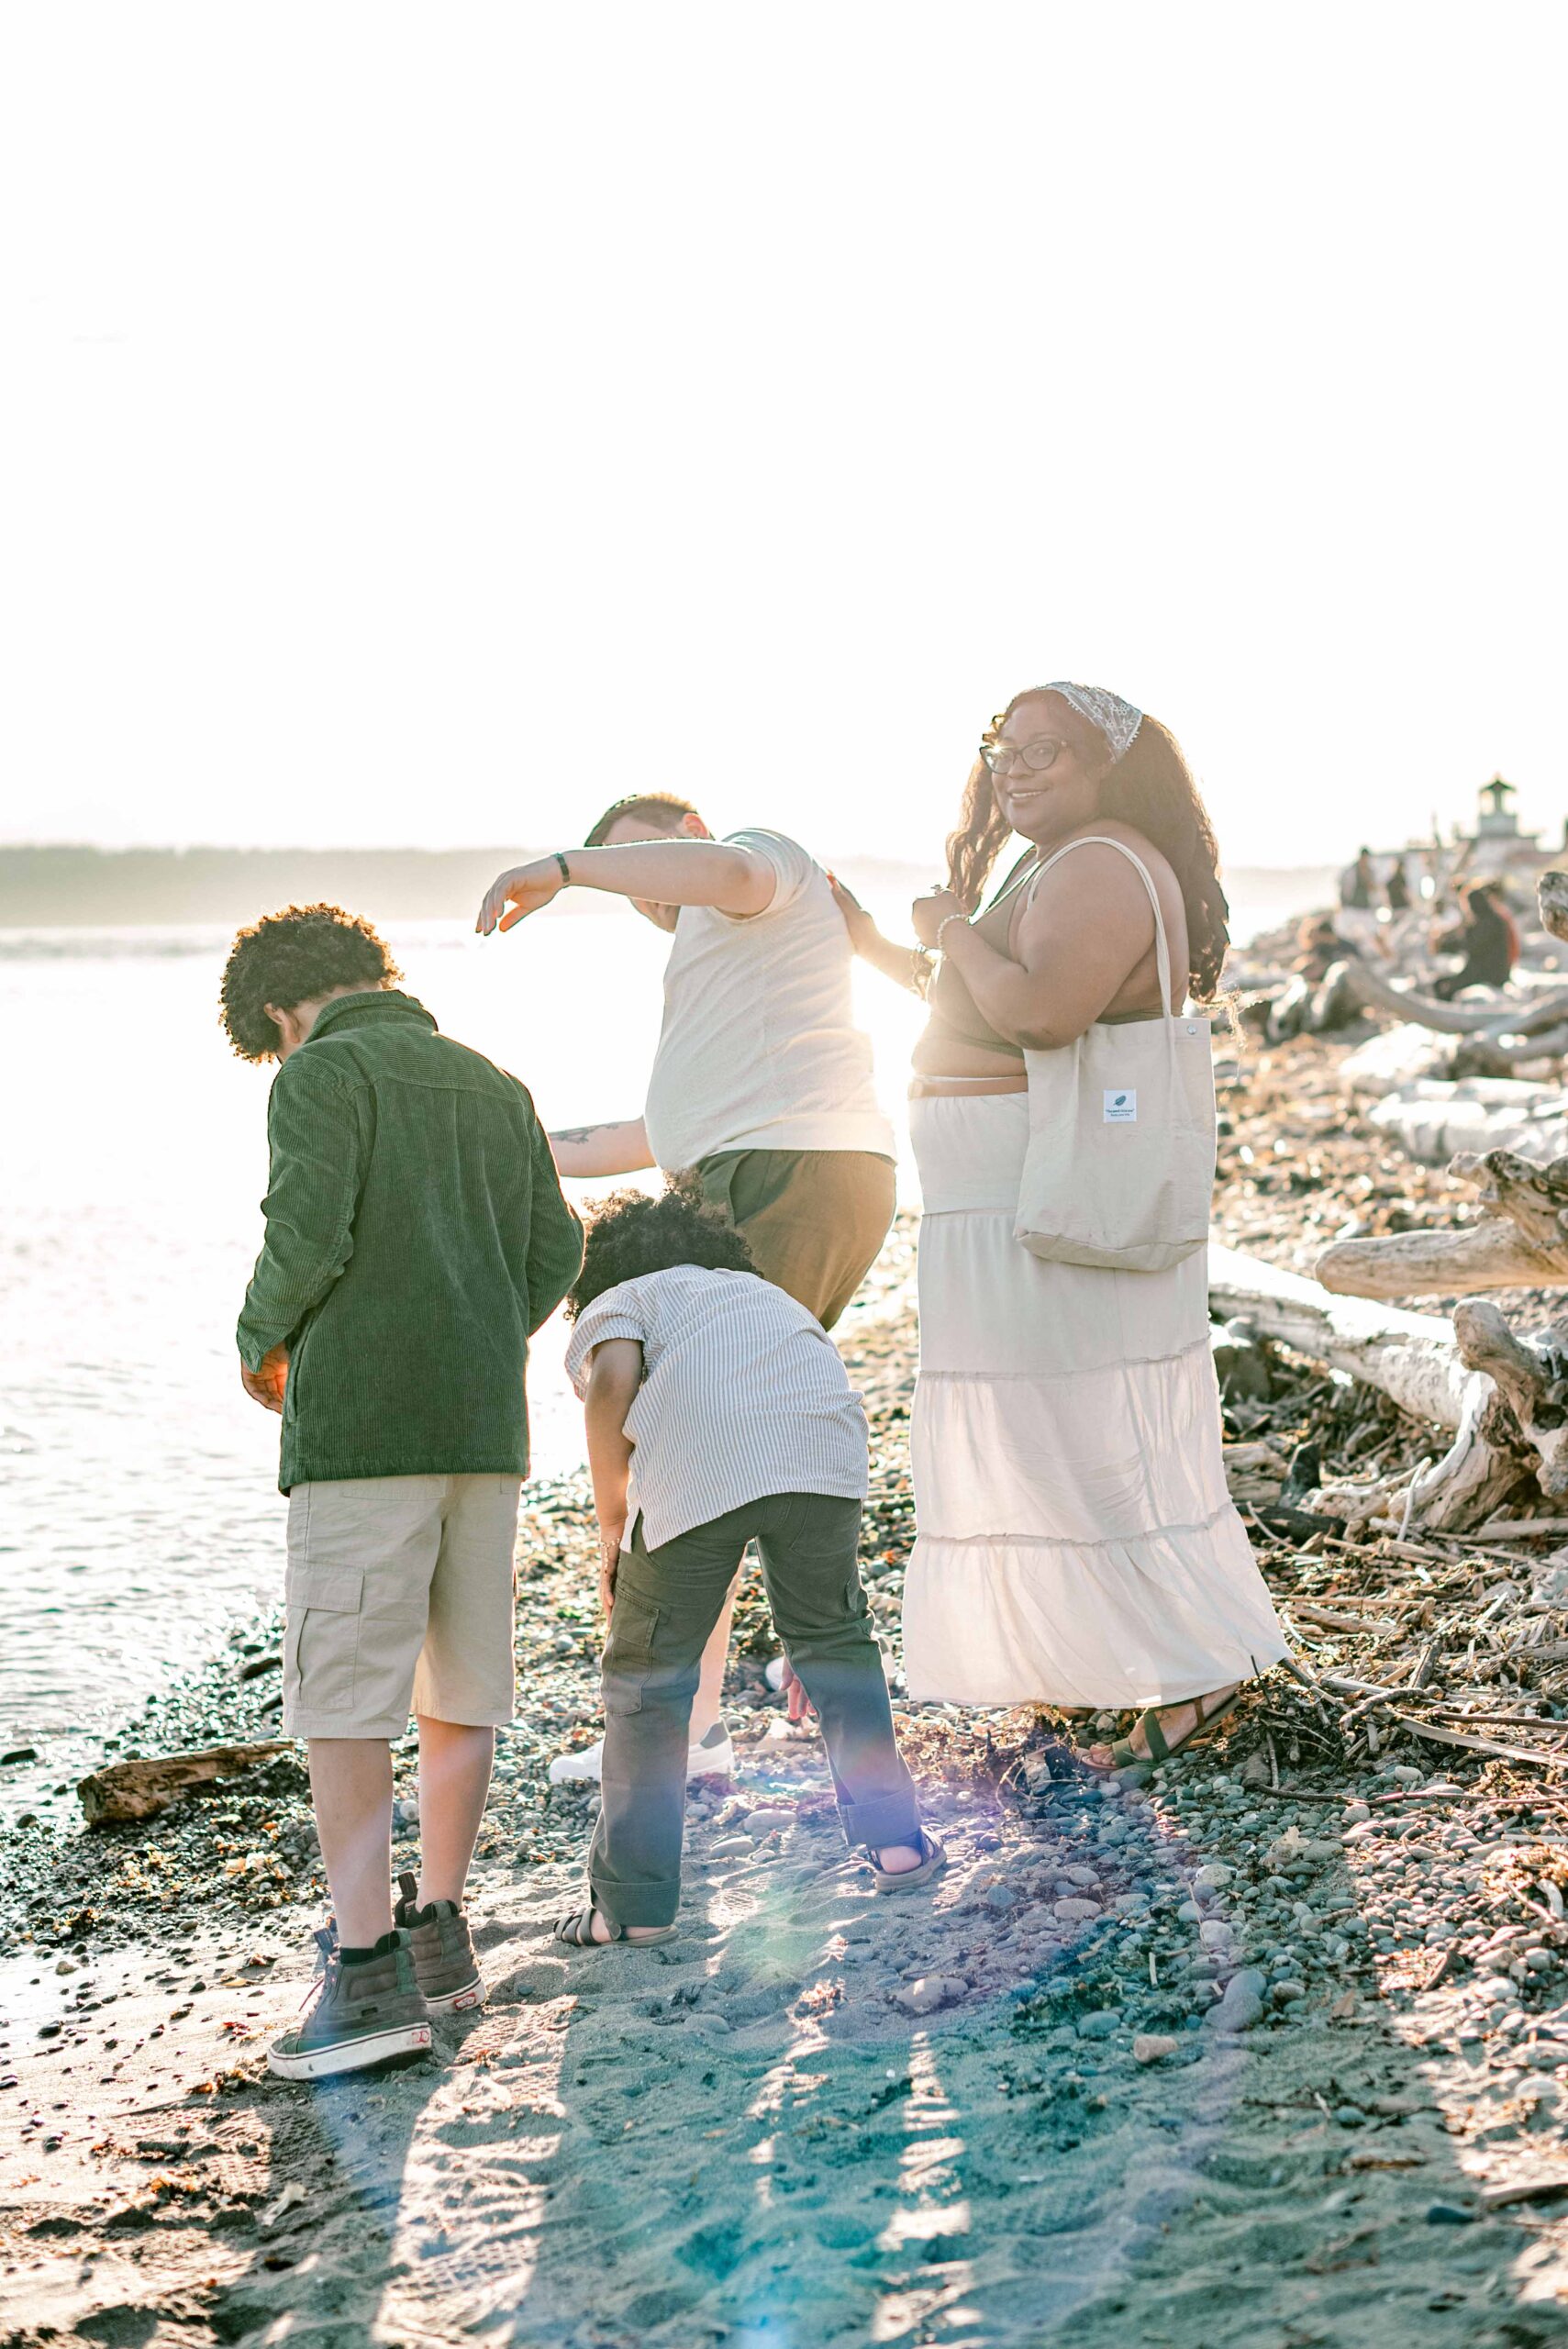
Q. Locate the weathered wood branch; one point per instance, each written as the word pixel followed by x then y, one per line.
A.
pixel 1374 993
pixel 1414 1359
pixel 1531 1195
pixel 140 1790
pixel 1431 1121
pixel 1411 1357
pixel 1551 896
pixel 1484 1466
pixel 1407 1062
pixel 1531 1378
pixel 1521 1243
pixel 1489 1056
pixel 1491 1255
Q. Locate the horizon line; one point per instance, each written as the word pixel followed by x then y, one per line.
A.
pixel 475 848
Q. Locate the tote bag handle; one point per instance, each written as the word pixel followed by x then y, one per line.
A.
pixel 1161 944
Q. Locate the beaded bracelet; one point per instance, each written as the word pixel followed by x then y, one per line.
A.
pixel 946 923
pixel 565 868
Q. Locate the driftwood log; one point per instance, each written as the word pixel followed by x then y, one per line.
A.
pixel 1552 897
pixel 1402 1060
pixel 1530 1376
pixel 1520 1242
pixel 1422 1363
pixel 1432 1122
pixel 1547 1009
pixel 1503 1398
pixel 1411 1357
pixel 1487 1055
pixel 129 1790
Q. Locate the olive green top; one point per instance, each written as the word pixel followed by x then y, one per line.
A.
pixel 417 1237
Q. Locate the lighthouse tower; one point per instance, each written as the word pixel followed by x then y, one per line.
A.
pixel 1498 841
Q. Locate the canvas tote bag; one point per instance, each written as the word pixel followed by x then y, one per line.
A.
pixel 1119 1169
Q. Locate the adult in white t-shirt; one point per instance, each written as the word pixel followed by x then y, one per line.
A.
pixel 761 1081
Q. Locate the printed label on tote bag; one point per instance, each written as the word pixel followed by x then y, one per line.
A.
pixel 1122 1109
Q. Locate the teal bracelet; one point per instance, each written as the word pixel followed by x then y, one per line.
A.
pixel 565 868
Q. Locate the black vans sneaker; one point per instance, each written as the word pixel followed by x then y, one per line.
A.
pixel 369 2012
pixel 443 1952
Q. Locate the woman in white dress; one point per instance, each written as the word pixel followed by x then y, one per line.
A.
pixel 1076 1543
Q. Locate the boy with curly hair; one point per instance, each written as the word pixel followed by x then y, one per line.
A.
pixel 718 1413
pixel 415 1238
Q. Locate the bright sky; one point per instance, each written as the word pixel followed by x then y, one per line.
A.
pixel 427 424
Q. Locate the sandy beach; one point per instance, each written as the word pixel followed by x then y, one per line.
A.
pixel 1272 2053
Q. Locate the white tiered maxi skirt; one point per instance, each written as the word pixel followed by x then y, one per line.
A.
pixel 1076 1543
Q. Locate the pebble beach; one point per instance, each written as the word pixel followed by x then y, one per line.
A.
pixel 1272 2051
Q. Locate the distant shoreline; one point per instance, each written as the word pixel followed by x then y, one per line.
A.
pixel 69 887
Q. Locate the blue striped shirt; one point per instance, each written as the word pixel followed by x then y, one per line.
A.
pixel 742 1395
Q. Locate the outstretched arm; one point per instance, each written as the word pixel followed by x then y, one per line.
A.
pixel 732 879
pixel 614 1149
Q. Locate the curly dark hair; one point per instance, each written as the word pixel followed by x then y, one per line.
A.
pixel 631 1234
pixel 1150 788
pixel 294 957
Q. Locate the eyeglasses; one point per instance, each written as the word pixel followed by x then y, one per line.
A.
pixel 1042 752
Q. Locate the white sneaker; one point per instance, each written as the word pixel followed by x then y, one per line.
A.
pixel 713 1757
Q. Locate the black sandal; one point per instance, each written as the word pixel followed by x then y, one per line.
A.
pixel 577 1932
pixel 933 1859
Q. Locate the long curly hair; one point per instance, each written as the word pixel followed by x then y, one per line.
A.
pixel 1150 788
pixel 630 1234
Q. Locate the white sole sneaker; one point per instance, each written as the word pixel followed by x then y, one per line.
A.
pixel 586 1767
pixel 350 2054
pixel 458 2002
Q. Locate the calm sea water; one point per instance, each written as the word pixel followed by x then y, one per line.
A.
pixel 138 1510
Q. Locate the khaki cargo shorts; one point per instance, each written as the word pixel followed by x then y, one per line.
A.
pixel 399 1596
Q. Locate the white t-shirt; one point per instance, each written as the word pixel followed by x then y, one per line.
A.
pixel 758 1049
pixel 744 1393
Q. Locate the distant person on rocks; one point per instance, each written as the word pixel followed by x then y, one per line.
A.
pixel 1315 999
pixel 1398 888
pixel 416 1237
pixel 1486 938
pixel 1357 915
pixel 718 1413
pixel 1319 947
pixel 1357 884
pixel 762 1082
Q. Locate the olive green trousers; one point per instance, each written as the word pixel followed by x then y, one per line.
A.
pixel 815 1220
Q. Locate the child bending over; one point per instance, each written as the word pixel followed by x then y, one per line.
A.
pixel 718 1413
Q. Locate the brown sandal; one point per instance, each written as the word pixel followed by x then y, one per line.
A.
pixel 1126 1759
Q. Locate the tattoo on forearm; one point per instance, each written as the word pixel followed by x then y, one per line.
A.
pixel 582 1133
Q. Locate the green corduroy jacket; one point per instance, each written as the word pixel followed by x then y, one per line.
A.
pixel 417 1237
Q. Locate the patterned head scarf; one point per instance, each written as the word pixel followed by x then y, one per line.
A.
pixel 1117 720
